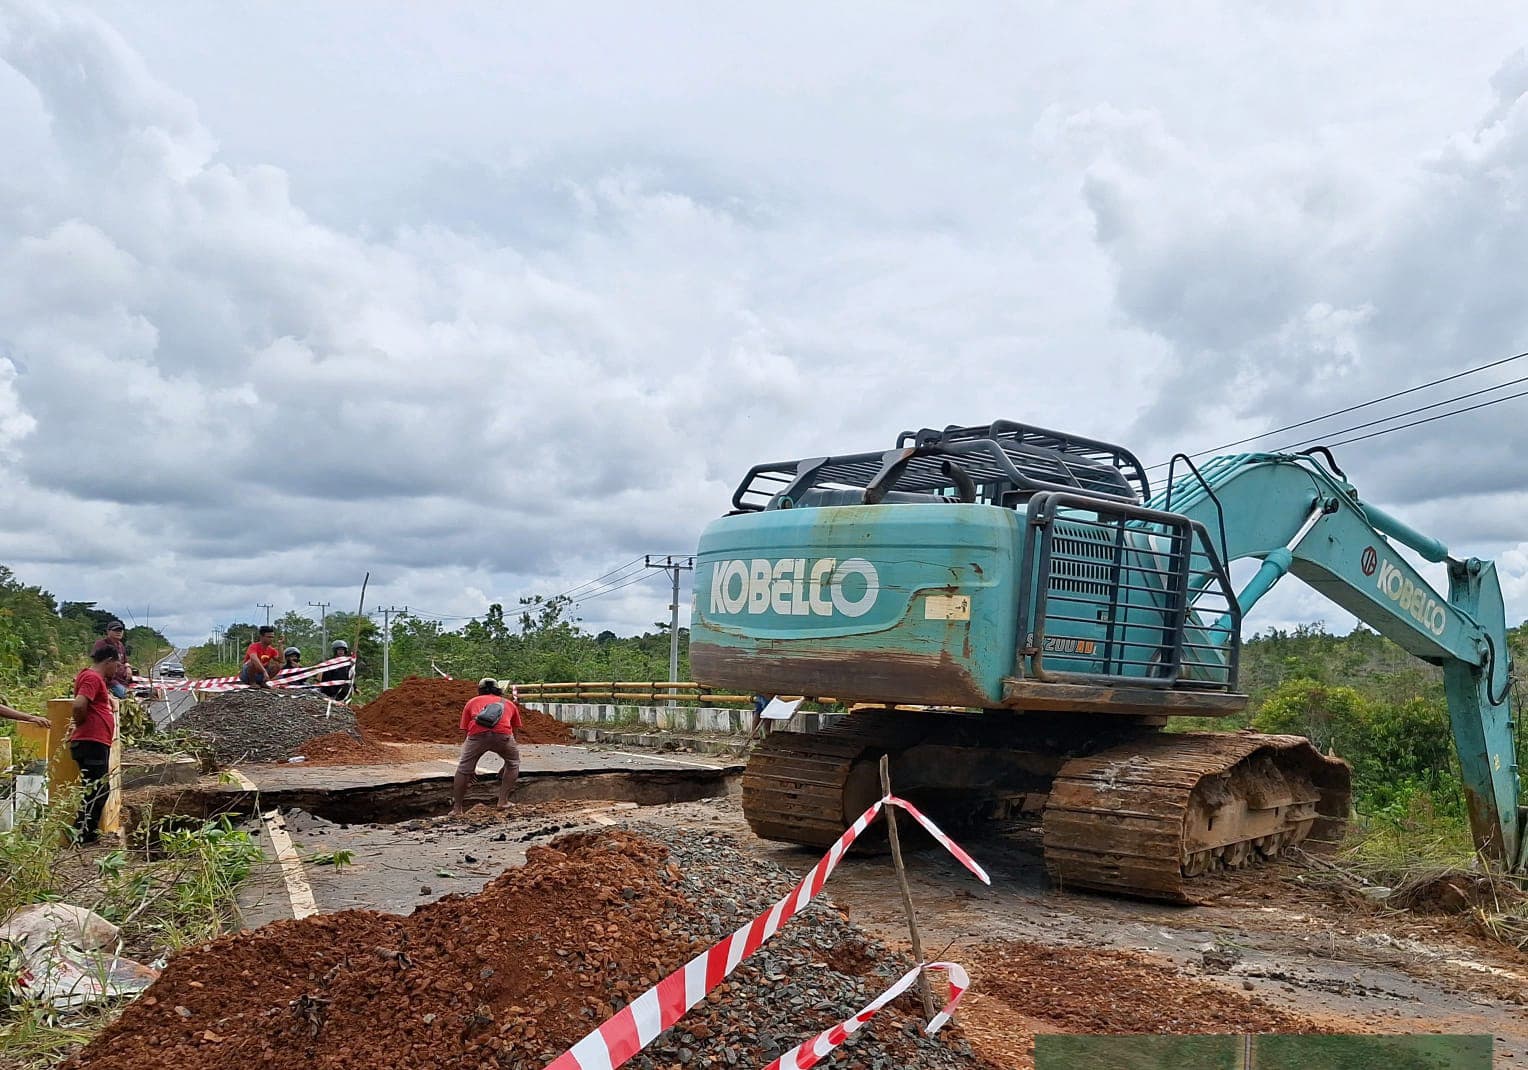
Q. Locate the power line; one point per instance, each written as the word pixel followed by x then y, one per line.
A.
pixel 637 578
pixel 598 579
pixel 1350 408
pixel 1408 412
pixel 1430 419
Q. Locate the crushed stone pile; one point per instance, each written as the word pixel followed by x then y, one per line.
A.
pixel 425 709
pixel 513 976
pixel 264 726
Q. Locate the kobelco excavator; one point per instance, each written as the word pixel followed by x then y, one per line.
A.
pixel 1022 614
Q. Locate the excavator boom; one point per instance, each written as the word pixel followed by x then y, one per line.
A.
pixel 1302 517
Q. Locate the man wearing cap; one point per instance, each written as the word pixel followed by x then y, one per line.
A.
pixel 336 683
pixel 490 721
pixel 122 679
pixel 261 659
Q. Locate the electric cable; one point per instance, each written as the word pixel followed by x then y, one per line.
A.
pixel 644 575
pixel 1430 419
pixel 1408 412
pixel 1349 408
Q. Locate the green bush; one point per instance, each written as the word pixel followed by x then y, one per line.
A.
pixel 1398 750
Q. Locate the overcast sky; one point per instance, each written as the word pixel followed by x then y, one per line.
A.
pixel 490 299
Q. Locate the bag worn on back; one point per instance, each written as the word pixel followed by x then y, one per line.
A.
pixel 490 715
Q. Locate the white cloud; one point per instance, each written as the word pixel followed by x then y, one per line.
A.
pixel 491 300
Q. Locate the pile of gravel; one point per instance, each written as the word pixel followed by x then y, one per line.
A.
pixel 264 726
pixel 815 972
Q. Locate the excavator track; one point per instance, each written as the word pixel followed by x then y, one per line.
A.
pixel 807 788
pixel 1145 818
pixel 1138 813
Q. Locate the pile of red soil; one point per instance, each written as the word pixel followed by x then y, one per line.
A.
pixel 342 748
pixel 423 709
pixel 1020 989
pixel 511 976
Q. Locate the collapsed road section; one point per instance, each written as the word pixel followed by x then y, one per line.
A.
pixel 394 758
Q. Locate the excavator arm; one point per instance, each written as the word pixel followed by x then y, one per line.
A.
pixel 1302 517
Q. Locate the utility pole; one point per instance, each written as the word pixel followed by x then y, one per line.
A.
pixel 387 639
pixel 323 628
pixel 267 607
pixel 674 566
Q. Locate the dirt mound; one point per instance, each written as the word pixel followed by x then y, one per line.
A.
pixel 423 709
pixel 1020 989
pixel 514 975
pixel 264 726
pixel 342 748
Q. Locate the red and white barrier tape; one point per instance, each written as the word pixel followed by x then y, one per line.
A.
pixel 636 1025
pixel 283 679
pixel 808 1054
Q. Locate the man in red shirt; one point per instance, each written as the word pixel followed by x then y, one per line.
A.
pixel 95 727
pixel 482 737
pixel 261 659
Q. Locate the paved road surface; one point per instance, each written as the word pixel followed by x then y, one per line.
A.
pixel 177 702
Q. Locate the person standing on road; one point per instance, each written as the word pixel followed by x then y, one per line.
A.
pixel 490 721
pixel 90 740
pixel 261 659
pixel 122 679
pixel 336 683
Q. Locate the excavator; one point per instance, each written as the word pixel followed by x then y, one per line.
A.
pixel 1013 614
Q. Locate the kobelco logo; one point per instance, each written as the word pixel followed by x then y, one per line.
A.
pixel 793 586
pixel 1417 601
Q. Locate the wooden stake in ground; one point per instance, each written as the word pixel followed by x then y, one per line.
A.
pixel 907 895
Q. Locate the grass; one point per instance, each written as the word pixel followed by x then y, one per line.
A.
pixel 1405 856
pixel 1063 1052
pixel 1269 1052
pixel 171 887
pixel 1372 1053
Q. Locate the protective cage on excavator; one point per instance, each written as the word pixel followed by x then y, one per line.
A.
pixel 1124 593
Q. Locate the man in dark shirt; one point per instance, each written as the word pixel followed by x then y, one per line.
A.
pixel 122 679
pixel 338 682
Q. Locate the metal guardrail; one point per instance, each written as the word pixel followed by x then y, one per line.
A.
pixel 638 691
pixel 628 691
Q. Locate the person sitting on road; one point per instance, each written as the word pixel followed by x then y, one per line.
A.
pixel 122 679
pixel 490 721
pixel 260 659
pixel 336 683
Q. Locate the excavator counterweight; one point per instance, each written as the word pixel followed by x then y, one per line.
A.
pixel 1044 614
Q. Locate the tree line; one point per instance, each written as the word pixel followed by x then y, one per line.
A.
pixel 42 638
pixel 539 641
